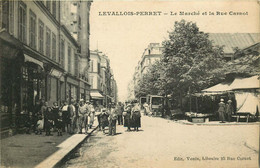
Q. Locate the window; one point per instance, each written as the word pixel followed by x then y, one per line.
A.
pixel 91 66
pixel 76 65
pixel 99 84
pixel 62 46
pixel 32 30
pixel 48 42
pixel 41 36
pixel 11 17
pixel 91 82
pixel 48 5
pixel 53 46
pixel 22 22
pixel 4 14
pixel 54 8
pixel 79 22
pixel 69 59
pixel 98 68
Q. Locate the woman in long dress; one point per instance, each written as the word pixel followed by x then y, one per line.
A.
pixel 221 110
pixel 229 110
pixel 104 119
pixel 136 116
pixel 127 116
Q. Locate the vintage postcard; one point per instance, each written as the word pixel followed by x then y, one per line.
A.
pixel 129 83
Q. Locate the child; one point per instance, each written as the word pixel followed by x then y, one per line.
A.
pixel 39 126
pixel 48 121
pixel 59 124
pixel 55 113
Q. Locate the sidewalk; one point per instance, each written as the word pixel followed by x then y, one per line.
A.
pixel 216 123
pixel 30 150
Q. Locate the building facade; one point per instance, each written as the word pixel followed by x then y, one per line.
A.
pixel 103 84
pixel 40 60
pixel 152 53
pixel 95 78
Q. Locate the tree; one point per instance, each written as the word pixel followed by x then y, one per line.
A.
pixel 150 82
pixel 190 60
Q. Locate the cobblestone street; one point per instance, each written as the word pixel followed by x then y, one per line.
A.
pixel 164 143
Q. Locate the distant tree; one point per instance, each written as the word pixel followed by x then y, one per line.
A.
pixel 191 62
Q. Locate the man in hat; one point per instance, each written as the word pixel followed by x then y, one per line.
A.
pixel 73 117
pixel 83 117
pixel 112 120
pixel 221 110
pixel 229 110
pixel 119 111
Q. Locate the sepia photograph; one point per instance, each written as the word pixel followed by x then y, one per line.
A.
pixel 129 83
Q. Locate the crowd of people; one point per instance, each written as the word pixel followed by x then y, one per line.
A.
pixel 78 117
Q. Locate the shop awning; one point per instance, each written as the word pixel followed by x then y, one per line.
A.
pixel 10 46
pixel 27 58
pixel 96 95
pixel 109 96
pixel 4 35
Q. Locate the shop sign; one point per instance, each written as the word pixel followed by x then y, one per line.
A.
pixel 72 81
pixel 56 73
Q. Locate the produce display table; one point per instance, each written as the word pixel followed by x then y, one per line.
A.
pixel 197 117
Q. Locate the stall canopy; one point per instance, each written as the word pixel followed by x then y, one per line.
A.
pixel 221 87
pixel 247 100
pixel 245 83
pixel 238 83
pixel 96 95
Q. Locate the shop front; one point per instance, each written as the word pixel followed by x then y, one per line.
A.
pixel 96 96
pixel 55 83
pixel 11 60
pixel 84 92
pixel 22 85
pixel 72 89
pixel 62 90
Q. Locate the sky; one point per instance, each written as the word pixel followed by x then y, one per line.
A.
pixel 124 38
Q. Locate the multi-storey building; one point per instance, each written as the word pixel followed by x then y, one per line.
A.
pixel 153 52
pixel 101 78
pixel 107 76
pixel 39 59
pixel 75 16
pixel 95 77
